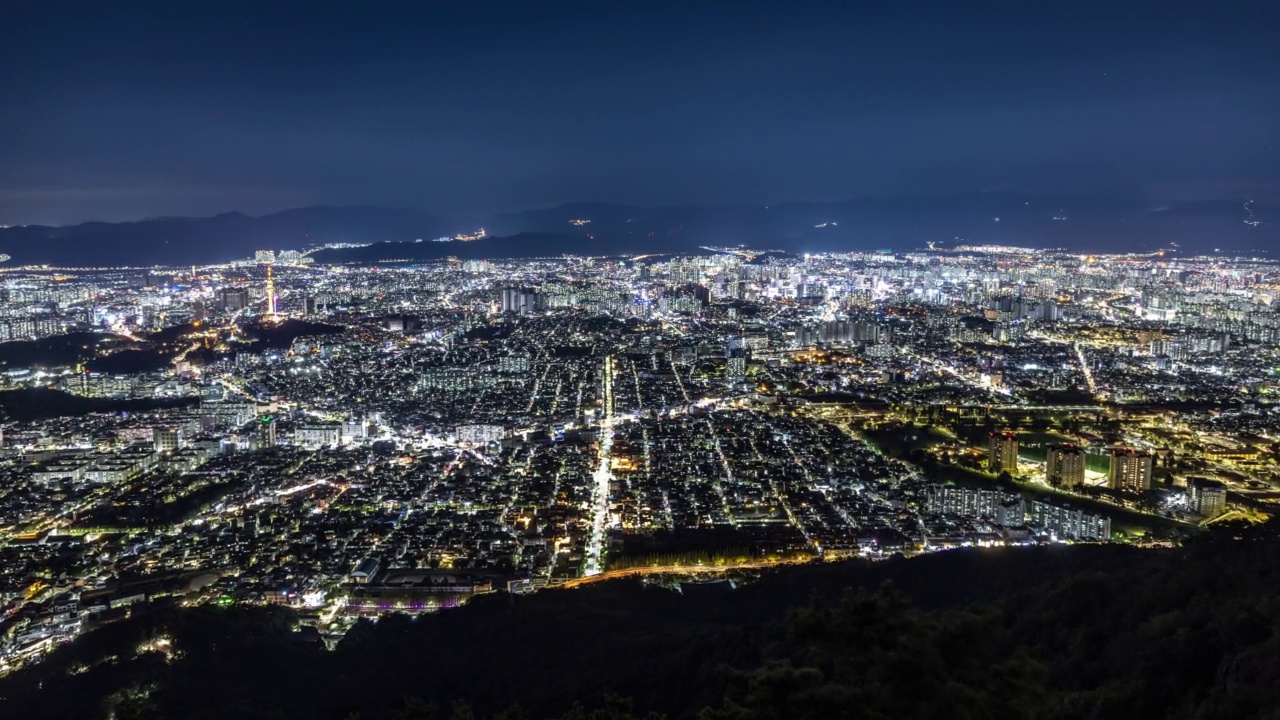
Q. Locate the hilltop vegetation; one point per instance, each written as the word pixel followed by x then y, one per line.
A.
pixel 1053 632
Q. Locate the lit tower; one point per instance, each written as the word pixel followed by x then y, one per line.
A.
pixel 271 296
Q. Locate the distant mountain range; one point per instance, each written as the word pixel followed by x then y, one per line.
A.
pixel 1084 224
pixel 186 241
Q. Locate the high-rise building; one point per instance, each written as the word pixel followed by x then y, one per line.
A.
pixel 1064 466
pixel 514 364
pixel 233 299
pixel 1068 523
pixel 736 354
pixel 1130 470
pixel 479 434
pixel 1001 508
pixel 316 435
pixel 1208 497
pixel 519 301
pixel 736 368
pixel 1012 512
pixel 354 430
pixel 805 337
pixel 166 439
pixel 316 304
pixel 1003 453
pixel 266 432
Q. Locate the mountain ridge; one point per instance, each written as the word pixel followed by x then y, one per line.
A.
pixel 869 223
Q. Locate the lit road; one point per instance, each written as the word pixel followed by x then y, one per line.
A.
pixel 679 570
pixel 1084 367
pixel 945 368
pixel 602 476
pixel 121 330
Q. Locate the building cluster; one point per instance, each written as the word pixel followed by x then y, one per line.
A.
pixel 351 441
pixel 1004 516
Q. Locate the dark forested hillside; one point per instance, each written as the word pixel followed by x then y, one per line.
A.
pixel 1085 631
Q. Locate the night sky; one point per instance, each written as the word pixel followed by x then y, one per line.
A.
pixel 123 110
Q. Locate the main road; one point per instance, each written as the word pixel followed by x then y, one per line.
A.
pixel 681 570
pixel 603 477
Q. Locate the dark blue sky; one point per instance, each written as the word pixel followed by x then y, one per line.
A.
pixel 124 110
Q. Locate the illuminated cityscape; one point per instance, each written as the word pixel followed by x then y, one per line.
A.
pixel 639 360
pixel 358 440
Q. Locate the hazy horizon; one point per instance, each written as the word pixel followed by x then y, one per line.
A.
pixel 194 110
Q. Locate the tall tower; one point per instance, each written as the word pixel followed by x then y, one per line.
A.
pixel 271 296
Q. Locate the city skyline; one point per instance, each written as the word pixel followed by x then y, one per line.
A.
pixel 347 441
pixel 639 360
